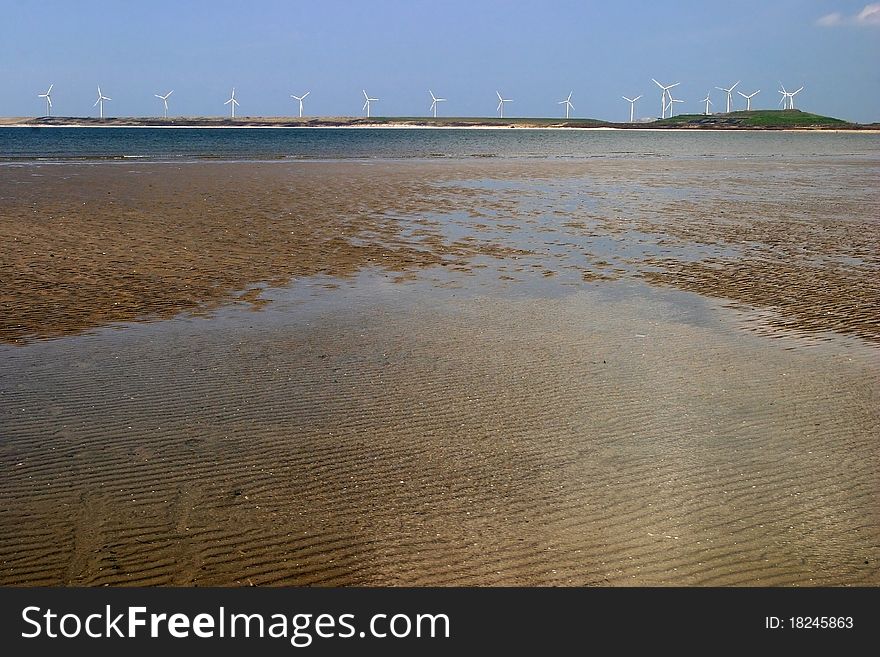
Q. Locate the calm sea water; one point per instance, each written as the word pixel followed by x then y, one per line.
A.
pixel 24 144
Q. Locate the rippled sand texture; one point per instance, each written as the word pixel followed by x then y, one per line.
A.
pixel 569 441
pixel 86 245
pixel 473 379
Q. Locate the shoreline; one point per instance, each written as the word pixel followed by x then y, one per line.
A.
pixel 351 123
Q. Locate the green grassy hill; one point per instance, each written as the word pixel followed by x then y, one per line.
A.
pixel 768 119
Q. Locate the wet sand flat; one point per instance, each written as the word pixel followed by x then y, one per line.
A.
pixel 414 373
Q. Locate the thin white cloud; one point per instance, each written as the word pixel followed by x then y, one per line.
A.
pixel 830 20
pixel 869 16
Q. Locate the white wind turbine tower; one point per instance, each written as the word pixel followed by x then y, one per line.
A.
pixel 708 102
pixel 48 97
pixel 100 101
pixel 784 101
pixel 787 101
pixel 300 99
pixel 632 106
pixel 671 107
pixel 567 103
pixel 434 102
pixel 367 101
pixel 501 102
pixel 791 95
pixel 749 98
pixel 164 100
pixel 728 92
pixel 663 95
pixel 232 102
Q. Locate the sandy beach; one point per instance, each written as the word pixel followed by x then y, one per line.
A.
pixel 475 372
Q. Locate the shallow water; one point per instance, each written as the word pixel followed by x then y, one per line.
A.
pixel 23 144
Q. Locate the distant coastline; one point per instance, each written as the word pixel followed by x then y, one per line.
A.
pixel 756 120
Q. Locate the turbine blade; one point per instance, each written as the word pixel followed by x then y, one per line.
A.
pixel 500 103
pixel 96 103
pixel 734 86
pixel 637 97
pixel 305 94
pixel 365 93
pixel 797 92
pixel 50 88
pixel 657 83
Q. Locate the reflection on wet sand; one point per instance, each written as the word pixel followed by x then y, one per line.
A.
pixel 505 372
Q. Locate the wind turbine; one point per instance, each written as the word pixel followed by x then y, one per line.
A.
pixel 708 102
pixel 367 101
pixel 663 95
pixel 787 101
pixel 301 99
pixel 671 108
pixel 164 100
pixel 501 102
pixel 784 96
pixel 791 96
pixel 749 98
pixel 567 103
pixel 100 101
pixel 435 101
pixel 232 102
pixel 728 91
pixel 632 105
pixel 48 97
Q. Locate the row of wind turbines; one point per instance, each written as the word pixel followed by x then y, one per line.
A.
pixel 667 101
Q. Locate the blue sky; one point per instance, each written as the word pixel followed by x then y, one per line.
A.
pixel 534 52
